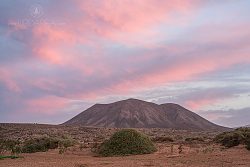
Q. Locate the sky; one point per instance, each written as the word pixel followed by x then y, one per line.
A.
pixel 59 57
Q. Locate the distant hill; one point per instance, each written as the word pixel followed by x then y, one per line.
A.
pixel 134 113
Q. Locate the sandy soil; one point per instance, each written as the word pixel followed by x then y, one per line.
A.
pixel 191 156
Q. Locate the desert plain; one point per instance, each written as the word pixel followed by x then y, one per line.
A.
pixel 181 152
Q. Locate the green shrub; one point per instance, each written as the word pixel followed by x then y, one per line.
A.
pixel 191 139
pixel 16 150
pixel 65 143
pixel 248 144
pixel 243 130
pixel 10 145
pixel 2 146
pixel 163 139
pixel 40 145
pixel 126 142
pixel 233 138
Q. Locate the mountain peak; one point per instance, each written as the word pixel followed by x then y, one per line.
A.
pixel 132 100
pixel 135 113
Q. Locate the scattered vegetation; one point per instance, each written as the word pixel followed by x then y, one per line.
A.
pixel 162 139
pixel 126 142
pixel 64 144
pixel 41 144
pixel 207 149
pixel 248 144
pixel 234 138
pixel 194 139
pixel 9 156
pixel 10 145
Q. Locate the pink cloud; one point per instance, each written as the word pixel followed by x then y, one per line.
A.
pixel 129 15
pixel 48 105
pixel 183 70
pixel 121 21
pixel 200 103
pixel 7 78
pixel 132 22
pixel 47 84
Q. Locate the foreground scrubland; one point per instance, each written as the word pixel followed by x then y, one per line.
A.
pixel 51 146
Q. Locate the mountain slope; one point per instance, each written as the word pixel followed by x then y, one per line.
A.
pixel 133 113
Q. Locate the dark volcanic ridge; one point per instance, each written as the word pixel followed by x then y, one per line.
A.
pixel 134 113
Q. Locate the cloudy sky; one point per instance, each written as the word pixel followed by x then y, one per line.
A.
pixel 59 57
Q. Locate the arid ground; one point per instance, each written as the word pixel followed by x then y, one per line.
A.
pixel 195 153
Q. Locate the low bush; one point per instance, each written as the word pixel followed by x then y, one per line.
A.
pixel 40 145
pixel 194 139
pixel 10 145
pixel 2 146
pixel 64 144
pixel 248 144
pixel 162 139
pixel 234 138
pixel 126 142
